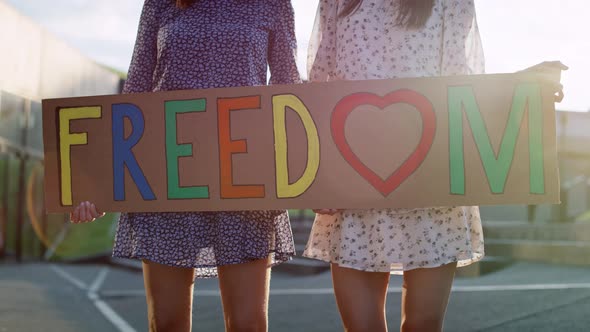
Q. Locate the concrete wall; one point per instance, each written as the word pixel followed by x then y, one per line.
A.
pixel 35 65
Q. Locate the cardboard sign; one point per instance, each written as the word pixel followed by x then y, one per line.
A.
pixel 470 140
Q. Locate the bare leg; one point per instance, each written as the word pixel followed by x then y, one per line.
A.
pixel 425 297
pixel 169 296
pixel 244 294
pixel 361 298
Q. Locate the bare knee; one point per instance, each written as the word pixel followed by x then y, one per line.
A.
pixel 422 323
pixel 362 320
pixel 168 324
pixel 165 316
pixel 361 296
pixel 246 322
pixel 244 295
pixel 169 295
pixel 365 324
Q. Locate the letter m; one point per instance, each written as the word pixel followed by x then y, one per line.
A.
pixel 527 99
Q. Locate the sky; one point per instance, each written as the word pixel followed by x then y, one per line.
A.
pixel 516 34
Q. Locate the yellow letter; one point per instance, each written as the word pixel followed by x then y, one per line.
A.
pixel 66 140
pixel 284 189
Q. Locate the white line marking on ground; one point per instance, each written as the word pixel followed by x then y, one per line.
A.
pixel 73 280
pixel 58 240
pixel 325 291
pixel 95 286
pixel 92 294
pixel 123 293
pixel 113 317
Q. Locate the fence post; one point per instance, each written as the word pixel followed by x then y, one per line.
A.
pixel 21 193
pixel 44 222
pixel 4 203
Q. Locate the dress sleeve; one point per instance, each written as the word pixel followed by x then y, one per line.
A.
pixel 462 51
pixel 145 53
pixel 282 51
pixel 321 56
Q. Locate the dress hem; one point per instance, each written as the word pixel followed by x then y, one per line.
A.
pixel 461 262
pixel 277 258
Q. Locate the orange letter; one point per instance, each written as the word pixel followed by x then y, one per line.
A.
pixel 227 147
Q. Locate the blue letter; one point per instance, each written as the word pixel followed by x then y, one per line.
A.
pixel 122 154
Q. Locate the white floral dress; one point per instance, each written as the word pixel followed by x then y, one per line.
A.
pixel 369 45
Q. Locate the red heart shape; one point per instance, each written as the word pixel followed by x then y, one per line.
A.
pixel 351 102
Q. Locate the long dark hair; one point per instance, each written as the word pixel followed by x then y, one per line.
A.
pixel 412 14
pixel 184 3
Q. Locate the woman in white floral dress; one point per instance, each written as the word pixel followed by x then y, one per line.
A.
pixel 379 39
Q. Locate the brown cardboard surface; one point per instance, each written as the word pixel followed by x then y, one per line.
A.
pixel 381 143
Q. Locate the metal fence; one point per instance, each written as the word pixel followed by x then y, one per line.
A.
pixel 21 159
pixel 26 231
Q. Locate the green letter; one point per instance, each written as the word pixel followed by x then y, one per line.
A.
pixel 527 97
pixel 174 150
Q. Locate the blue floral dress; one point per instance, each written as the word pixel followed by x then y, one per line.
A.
pixel 212 44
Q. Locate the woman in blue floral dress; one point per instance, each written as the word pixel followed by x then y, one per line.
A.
pixel 199 44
